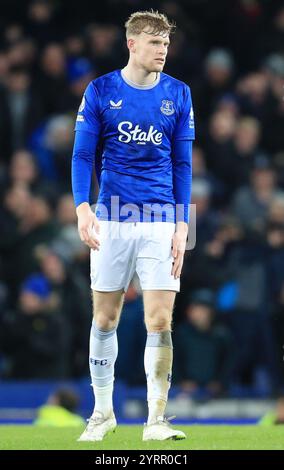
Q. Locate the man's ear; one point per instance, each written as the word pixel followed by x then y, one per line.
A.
pixel 131 45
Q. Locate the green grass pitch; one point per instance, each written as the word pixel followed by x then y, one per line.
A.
pixel 129 437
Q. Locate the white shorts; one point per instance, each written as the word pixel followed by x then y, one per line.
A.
pixel 129 247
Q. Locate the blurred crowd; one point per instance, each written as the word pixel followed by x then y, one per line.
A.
pixel 229 316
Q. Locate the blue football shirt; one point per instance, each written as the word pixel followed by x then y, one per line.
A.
pixel 137 128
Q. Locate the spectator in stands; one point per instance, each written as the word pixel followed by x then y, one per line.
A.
pixel 13 213
pixel 38 227
pixel 20 110
pixel 52 80
pixel 219 73
pixel 60 410
pixel 203 349
pixel 71 292
pixel 33 337
pixel 250 203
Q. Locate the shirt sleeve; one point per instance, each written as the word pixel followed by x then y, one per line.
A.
pixel 182 177
pixel 185 123
pixel 83 160
pixel 88 117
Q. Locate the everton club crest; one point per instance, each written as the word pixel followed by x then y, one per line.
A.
pixel 167 107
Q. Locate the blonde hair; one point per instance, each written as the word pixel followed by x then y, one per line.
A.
pixel 156 23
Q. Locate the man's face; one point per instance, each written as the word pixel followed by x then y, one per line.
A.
pixel 150 51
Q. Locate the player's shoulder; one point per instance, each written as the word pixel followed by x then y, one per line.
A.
pixel 174 82
pixel 106 80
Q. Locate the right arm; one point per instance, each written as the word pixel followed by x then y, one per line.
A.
pixel 83 159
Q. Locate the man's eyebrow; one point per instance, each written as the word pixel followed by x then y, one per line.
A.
pixel 160 40
pixel 156 38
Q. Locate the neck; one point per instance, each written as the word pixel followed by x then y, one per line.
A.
pixel 139 75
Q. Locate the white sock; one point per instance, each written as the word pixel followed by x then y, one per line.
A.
pixel 158 361
pixel 103 399
pixel 103 354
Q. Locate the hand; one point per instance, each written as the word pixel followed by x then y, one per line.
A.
pixel 178 248
pixel 88 226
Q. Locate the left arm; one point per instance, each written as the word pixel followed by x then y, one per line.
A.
pixel 182 176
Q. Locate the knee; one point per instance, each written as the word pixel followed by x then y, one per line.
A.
pixel 105 321
pixel 158 321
